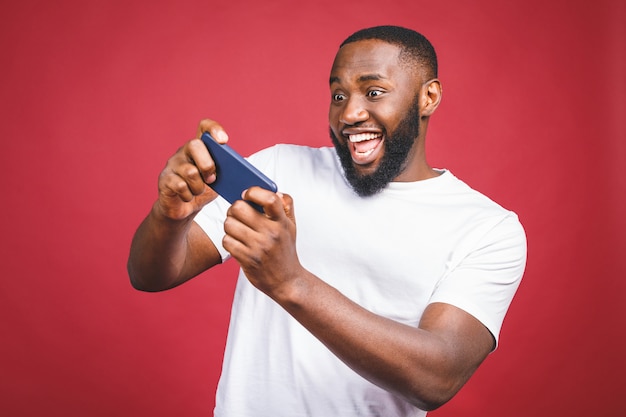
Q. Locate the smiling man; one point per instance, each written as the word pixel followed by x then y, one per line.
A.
pixel 394 288
pixel 371 94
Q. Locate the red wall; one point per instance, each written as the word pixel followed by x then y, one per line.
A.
pixel 97 95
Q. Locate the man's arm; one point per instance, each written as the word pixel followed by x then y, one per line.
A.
pixel 166 253
pixel 425 365
pixel 168 247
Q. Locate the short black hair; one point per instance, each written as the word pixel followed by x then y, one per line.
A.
pixel 414 47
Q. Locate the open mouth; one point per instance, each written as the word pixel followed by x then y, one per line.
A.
pixel 365 146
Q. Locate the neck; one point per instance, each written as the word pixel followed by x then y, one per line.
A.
pixel 417 167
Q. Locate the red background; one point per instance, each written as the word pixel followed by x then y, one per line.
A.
pixel 97 94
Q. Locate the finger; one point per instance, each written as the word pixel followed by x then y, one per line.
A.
pixel 233 246
pixel 172 185
pixel 215 129
pixel 238 230
pixel 186 183
pixel 176 199
pixel 182 173
pixel 288 206
pixel 272 204
pixel 197 154
pixel 192 178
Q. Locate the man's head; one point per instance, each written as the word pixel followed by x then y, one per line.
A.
pixel 383 89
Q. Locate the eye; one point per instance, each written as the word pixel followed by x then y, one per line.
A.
pixel 374 93
pixel 338 97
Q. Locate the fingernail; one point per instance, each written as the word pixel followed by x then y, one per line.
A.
pixel 222 136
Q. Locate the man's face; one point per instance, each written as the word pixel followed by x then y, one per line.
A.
pixel 396 152
pixel 374 114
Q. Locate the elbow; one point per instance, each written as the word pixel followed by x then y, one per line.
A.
pixel 140 285
pixel 435 394
pixel 431 402
pixel 135 281
pixel 138 282
pixel 150 281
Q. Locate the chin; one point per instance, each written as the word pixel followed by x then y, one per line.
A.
pixel 367 170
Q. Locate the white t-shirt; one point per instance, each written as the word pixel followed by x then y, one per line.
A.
pixel 413 244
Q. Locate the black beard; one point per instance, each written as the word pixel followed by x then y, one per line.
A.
pixel 397 150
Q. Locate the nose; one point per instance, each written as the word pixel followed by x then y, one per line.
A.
pixel 354 112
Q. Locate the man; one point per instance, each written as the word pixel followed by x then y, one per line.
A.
pixel 394 288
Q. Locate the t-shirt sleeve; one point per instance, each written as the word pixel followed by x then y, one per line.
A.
pixel 211 221
pixel 484 280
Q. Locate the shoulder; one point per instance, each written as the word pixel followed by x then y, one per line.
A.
pixel 477 215
pixel 498 230
pixel 471 199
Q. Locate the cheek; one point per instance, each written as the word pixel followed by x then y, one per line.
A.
pixel 333 120
pixel 332 133
pixel 333 114
pixel 387 118
pixel 392 113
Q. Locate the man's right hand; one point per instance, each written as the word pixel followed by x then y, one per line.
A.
pixel 168 248
pixel 183 188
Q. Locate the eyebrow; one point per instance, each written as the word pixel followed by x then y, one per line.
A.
pixel 362 78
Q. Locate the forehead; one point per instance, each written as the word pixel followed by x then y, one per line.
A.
pixel 366 58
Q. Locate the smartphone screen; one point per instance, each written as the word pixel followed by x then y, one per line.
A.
pixel 234 173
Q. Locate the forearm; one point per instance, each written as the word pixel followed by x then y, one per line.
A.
pixel 161 256
pixel 413 363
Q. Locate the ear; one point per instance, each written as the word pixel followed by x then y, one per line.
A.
pixel 430 96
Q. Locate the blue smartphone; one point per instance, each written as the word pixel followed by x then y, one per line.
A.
pixel 234 174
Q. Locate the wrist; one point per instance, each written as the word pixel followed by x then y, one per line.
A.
pixel 168 215
pixel 167 223
pixel 293 293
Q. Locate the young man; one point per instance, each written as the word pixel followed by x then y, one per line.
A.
pixel 394 288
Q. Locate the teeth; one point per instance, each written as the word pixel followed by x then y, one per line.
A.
pixel 363 137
